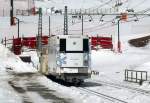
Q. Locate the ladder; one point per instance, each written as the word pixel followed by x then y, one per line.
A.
pixel 65 22
pixel 39 37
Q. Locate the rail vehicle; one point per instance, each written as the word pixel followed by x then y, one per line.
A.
pixel 68 58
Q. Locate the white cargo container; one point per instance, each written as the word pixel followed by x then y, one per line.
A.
pixel 69 57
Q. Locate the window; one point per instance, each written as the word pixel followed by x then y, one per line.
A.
pixel 85 45
pixel 62 45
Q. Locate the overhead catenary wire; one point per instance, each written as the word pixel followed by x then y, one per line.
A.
pixel 102 24
pixel 111 25
pixel 97 27
pixel 137 5
pixel 87 30
pixel 100 6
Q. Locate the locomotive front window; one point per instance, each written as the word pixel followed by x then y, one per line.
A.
pixel 62 45
pixel 85 45
pixel 72 46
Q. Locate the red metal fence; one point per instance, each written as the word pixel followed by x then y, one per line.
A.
pixel 101 42
pixel 30 42
pixel 16 47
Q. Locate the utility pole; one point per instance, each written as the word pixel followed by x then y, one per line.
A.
pixel 65 22
pixel 28 8
pixel 119 43
pixel 82 24
pixel 39 37
pixel 49 26
pixel 18 26
pixel 11 12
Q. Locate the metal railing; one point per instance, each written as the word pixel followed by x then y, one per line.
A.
pixel 135 76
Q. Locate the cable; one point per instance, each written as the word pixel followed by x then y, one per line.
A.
pixel 91 28
pixel 114 25
pixel 100 6
pixel 137 5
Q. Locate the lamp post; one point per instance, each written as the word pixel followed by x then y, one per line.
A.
pixel 18 27
pixel 119 43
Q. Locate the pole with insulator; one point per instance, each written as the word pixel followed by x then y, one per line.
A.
pixel 11 12
pixel 65 22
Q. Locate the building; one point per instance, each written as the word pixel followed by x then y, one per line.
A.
pixel 21 7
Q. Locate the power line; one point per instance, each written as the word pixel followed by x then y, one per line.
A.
pixel 137 5
pixel 100 6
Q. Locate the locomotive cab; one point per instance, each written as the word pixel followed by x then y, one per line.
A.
pixel 69 57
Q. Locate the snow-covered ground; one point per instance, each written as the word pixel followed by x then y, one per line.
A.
pixel 110 65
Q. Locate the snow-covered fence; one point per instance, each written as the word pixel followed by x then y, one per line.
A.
pixel 7 42
pixel 24 6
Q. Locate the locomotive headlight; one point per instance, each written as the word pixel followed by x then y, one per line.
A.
pixel 85 59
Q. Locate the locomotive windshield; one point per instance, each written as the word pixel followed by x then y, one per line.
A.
pixel 85 45
pixel 76 45
pixel 62 45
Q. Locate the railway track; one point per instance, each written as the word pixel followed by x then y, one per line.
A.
pixel 107 97
pixel 137 90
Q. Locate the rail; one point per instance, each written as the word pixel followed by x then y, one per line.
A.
pixel 110 98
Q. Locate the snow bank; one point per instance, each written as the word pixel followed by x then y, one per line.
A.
pixel 12 62
pixel 34 57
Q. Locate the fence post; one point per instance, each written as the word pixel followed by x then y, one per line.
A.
pixel 136 78
pixel 13 44
pixel 146 76
pixel 97 42
pixel 131 75
pixel 141 76
pixel 112 43
pixel 125 75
